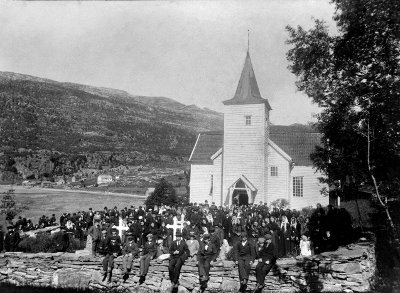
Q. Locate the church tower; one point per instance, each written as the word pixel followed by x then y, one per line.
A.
pixel 245 142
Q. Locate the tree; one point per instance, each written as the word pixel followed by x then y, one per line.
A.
pixel 164 193
pixel 280 203
pixel 355 78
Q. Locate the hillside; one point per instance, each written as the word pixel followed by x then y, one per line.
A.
pixel 57 128
pixel 44 114
pixel 49 127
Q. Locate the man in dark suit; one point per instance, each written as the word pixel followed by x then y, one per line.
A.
pixel 113 251
pixel 266 260
pixel 129 251
pixel 148 253
pixel 244 255
pixel 207 253
pixel 179 251
pixel 95 232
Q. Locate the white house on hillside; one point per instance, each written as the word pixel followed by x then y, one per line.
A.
pixel 104 179
pixel 252 160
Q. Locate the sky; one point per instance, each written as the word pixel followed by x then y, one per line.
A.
pixel 190 51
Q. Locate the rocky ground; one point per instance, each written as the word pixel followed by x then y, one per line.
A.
pixel 349 269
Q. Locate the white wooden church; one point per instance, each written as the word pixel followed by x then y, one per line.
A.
pixel 252 161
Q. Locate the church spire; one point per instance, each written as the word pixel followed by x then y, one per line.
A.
pixel 247 91
pixel 248 41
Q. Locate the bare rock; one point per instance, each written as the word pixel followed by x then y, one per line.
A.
pixel 96 277
pixel 348 268
pixel 70 278
pixel 165 286
pixel 332 288
pixel 362 288
pixel 228 285
pixel 182 289
pixel 188 282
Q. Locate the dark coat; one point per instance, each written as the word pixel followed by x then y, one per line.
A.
pixel 149 248
pixel 130 248
pixel 244 251
pixel 207 254
pixel 95 232
pixel 114 248
pixel 266 253
pixel 182 248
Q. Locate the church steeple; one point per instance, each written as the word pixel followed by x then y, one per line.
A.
pixel 247 91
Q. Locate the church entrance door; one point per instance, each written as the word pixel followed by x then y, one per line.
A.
pixel 243 199
pixel 242 193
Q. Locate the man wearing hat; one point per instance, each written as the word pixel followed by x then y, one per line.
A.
pixel 244 255
pixel 266 260
pixel 193 244
pixel 113 250
pixel 207 254
pixel 102 247
pixel 95 233
pixel 148 253
pixel 129 252
pixel 179 252
pixel 114 234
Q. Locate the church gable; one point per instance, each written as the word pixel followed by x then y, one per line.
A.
pixel 207 144
pixel 279 151
pixel 298 145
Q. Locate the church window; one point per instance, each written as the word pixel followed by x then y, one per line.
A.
pixel 274 171
pixel 248 120
pixel 298 186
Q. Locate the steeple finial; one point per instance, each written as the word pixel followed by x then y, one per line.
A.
pixel 248 41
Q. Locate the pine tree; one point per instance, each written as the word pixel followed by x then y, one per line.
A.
pixel 164 193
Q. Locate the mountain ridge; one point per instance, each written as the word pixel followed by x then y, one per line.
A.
pixel 51 127
pixel 109 92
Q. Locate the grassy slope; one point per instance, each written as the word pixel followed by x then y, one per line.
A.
pixel 48 201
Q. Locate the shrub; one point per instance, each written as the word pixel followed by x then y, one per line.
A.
pixel 280 203
pixel 45 242
pixel 42 243
pixel 307 211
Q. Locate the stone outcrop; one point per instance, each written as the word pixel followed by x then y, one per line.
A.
pixel 349 269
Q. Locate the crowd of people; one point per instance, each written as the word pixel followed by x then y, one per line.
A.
pixel 209 232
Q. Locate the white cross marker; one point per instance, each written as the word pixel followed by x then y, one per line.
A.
pixel 121 227
pixel 177 224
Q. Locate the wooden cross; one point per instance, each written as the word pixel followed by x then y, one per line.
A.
pixel 121 227
pixel 177 224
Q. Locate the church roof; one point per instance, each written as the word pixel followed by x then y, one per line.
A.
pixel 298 144
pixel 247 91
pixel 207 144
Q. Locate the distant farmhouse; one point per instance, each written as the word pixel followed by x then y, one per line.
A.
pixel 252 160
pixel 104 179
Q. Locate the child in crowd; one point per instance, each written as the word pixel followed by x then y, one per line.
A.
pixel 305 246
